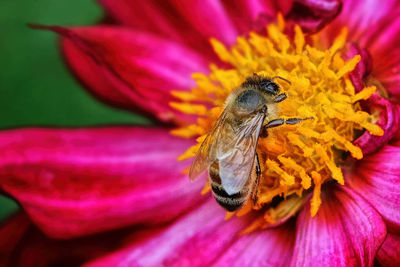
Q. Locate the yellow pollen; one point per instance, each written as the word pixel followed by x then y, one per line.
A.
pixel 295 159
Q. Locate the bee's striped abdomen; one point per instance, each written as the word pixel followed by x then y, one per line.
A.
pixel 228 202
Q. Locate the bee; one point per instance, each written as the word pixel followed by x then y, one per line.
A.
pixel 229 152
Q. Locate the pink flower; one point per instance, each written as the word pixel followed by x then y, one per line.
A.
pixel 79 185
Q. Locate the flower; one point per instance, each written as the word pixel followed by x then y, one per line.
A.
pixel 72 183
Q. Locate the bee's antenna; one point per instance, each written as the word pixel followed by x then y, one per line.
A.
pixel 279 77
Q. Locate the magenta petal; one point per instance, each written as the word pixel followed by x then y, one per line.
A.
pixel 346 231
pixel 209 18
pixel 389 121
pixel 363 68
pixel 254 15
pixel 159 18
pixel 389 253
pixel 253 9
pixel 130 69
pixel 386 51
pixel 272 247
pixel 77 182
pixel 23 245
pixel 149 16
pixel 313 15
pixel 365 21
pixel 195 240
pixel 11 232
pixel 377 179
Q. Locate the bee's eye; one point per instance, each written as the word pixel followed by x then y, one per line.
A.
pixel 270 87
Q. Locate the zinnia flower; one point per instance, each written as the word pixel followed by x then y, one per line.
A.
pixel 329 191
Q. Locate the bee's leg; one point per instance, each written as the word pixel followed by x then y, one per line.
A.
pixel 258 167
pixel 264 132
pixel 280 98
pixel 275 123
pixel 254 196
pixel 292 121
pixel 279 122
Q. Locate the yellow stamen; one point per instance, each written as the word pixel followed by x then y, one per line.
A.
pixel 296 159
pixel 206 188
pixel 316 199
pixel 189 108
pixel 287 179
pixel 290 163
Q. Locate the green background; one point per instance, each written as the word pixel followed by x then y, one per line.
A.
pixel 36 88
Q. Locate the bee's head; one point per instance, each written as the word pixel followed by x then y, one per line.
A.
pixel 264 84
pixel 269 86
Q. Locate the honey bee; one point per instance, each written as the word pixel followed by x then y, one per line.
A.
pixel 229 151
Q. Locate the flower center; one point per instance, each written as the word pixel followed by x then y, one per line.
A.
pixel 295 159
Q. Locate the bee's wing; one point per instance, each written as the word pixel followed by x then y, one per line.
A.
pixel 207 151
pixel 236 162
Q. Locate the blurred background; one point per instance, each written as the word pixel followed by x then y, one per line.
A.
pixel 36 88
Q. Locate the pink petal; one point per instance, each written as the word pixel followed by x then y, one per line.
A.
pixel 253 9
pixel 389 121
pixel 254 15
pixel 363 68
pixel 22 244
pixel 78 182
pixel 373 25
pixel 197 239
pixel 346 231
pixel 11 232
pixel 377 179
pixel 150 16
pixel 131 69
pixel 364 20
pixel 157 17
pixel 313 15
pixel 209 18
pixel 272 247
pixel 389 253
pixel 386 51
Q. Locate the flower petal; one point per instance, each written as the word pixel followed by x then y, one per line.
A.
pixel 11 232
pixel 389 121
pixel 363 20
pixel 78 182
pixel 24 245
pixel 254 15
pixel 386 53
pixel 130 69
pixel 313 15
pixel 158 18
pixel 272 247
pixel 362 69
pixel 209 18
pixel 150 16
pixel 389 253
pixel 377 179
pixel 346 231
pixel 195 240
